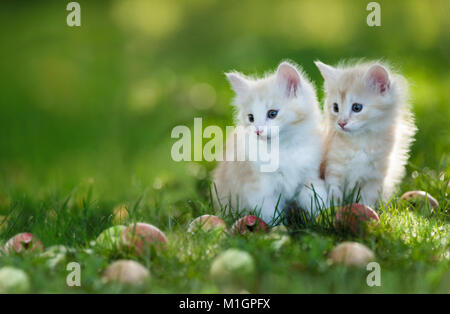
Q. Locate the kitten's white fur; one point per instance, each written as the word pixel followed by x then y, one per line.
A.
pixel 372 151
pixel 241 184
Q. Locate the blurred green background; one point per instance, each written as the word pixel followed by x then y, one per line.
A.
pixel 95 105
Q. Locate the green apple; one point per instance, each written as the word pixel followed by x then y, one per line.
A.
pixel 233 265
pixel 13 280
pixel 109 239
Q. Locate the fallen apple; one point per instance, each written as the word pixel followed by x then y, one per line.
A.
pixel 109 239
pixel 418 199
pixel 126 272
pixel 140 237
pixel 249 224
pixel 233 265
pixel 23 242
pixel 206 223
pixel 13 280
pixel 351 254
pixel 351 217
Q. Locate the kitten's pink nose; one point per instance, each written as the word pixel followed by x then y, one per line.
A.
pixel 258 132
pixel 342 124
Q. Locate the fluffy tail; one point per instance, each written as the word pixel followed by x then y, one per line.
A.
pixel 404 136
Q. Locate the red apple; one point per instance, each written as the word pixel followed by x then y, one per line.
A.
pixel 23 242
pixel 140 237
pixel 352 216
pixel 249 224
pixel 206 223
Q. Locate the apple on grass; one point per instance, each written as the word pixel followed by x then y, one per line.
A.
pixel 126 272
pixel 352 217
pixel 233 266
pixel 13 280
pixel 351 254
pixel 23 242
pixel 249 224
pixel 206 223
pixel 140 237
pixel 420 201
pixel 109 239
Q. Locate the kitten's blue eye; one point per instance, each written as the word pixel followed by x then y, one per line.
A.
pixel 251 118
pixel 271 114
pixel 335 107
pixel 357 107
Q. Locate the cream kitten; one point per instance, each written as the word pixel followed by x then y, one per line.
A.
pixel 285 100
pixel 369 129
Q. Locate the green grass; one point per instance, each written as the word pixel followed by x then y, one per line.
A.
pixel 86 116
pixel 412 249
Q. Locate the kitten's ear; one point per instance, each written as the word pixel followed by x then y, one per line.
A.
pixel 377 77
pixel 327 71
pixel 238 82
pixel 289 78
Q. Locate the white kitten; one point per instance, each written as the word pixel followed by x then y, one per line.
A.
pixel 369 129
pixel 285 100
